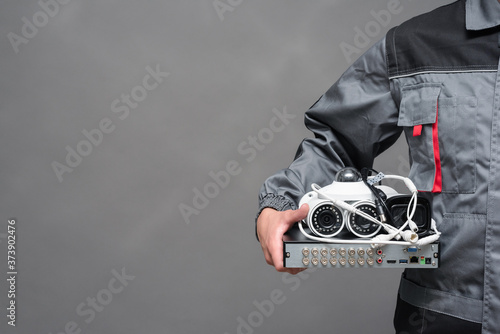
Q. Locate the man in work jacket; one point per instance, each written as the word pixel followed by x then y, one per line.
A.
pixel 436 78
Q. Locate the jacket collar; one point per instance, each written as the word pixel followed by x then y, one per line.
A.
pixel 482 14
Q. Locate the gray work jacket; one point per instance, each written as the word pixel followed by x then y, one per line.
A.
pixel 434 77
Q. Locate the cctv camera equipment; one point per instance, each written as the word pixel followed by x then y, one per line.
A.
pixel 354 223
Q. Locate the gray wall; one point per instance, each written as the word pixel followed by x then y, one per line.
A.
pixel 68 68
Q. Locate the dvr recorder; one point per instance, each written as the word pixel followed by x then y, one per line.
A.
pixel 300 252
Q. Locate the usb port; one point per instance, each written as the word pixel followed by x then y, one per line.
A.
pixel 403 261
pixel 391 261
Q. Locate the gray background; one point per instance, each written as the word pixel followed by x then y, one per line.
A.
pixel 119 208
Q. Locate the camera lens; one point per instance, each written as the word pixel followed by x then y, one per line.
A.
pixel 326 220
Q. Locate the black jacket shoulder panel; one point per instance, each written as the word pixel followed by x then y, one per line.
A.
pixel 439 41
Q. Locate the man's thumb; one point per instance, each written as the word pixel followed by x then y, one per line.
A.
pixel 299 214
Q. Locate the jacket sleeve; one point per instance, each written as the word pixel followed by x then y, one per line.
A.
pixel 353 122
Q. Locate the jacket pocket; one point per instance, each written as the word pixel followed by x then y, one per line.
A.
pixel 441 133
pixel 418 115
pixel 456 287
pixel 462 254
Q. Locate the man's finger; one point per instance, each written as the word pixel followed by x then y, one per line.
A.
pixel 293 216
pixel 275 246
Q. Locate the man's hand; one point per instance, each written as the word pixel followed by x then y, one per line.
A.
pixel 271 225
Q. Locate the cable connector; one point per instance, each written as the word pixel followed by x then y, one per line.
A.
pixel 410 185
pixel 413 226
pixel 428 240
pixel 380 239
pixel 380 211
pixel 409 236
